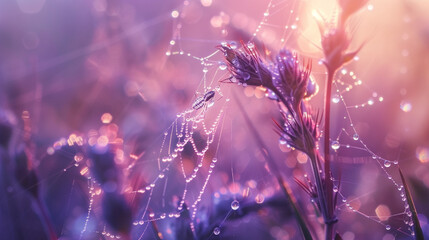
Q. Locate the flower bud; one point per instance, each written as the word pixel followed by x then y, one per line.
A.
pixel 349 7
pixel 104 168
pixel 117 213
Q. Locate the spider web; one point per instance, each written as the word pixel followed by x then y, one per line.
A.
pixel 176 174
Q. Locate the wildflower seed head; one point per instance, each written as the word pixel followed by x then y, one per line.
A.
pixel 335 43
pixel 292 78
pixel 246 66
pixel 24 173
pixel 300 132
pixel 117 213
pixel 349 7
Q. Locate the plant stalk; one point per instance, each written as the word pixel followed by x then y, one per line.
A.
pixel 48 223
pixel 327 167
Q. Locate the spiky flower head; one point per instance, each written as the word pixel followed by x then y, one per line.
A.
pixel 285 78
pixel 291 78
pixel 335 43
pixel 246 65
pixel 300 132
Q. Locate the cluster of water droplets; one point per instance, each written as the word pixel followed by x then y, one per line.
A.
pixel 351 133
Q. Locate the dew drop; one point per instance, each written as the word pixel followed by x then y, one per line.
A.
pixel 233 45
pixel 388 227
pixel 336 98
pixel 271 95
pixel 266 14
pixel 216 231
pixel 222 66
pixel 282 141
pixel 335 189
pixel 387 163
pixel 355 137
pixel 250 45
pixel 335 145
pixel 246 76
pixel 235 205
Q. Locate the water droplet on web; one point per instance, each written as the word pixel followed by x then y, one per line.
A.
pixel 335 189
pixel 205 70
pixel 222 66
pixel 336 98
pixel 387 163
pixel 335 145
pixel 216 231
pixel 282 141
pixel 235 205
pixel 388 227
pixel 266 14
pixel 250 45
pixel 355 137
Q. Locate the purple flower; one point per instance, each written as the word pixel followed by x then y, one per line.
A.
pixel 285 78
pixel 291 78
pixel 246 66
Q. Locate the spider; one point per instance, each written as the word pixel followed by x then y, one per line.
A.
pixel 207 100
pixel 204 101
